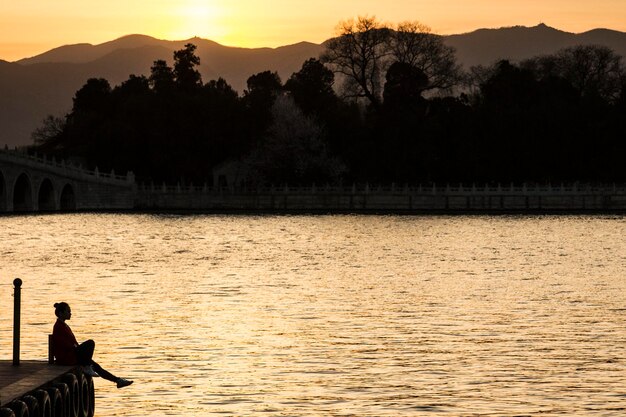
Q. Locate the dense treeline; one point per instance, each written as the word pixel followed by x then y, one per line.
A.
pixel 381 105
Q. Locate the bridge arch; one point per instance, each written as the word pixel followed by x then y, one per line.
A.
pixel 46 196
pixel 22 194
pixel 68 198
pixel 3 193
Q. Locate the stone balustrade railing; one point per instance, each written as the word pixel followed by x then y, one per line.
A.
pixel 68 167
pixel 434 189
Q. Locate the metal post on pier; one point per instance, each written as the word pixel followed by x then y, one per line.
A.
pixel 17 298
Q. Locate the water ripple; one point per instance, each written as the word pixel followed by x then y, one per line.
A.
pixel 333 315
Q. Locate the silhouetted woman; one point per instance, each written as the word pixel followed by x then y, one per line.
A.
pixel 67 351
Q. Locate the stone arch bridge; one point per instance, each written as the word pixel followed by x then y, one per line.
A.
pixel 35 184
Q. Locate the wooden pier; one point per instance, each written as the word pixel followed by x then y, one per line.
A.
pixel 17 381
pixel 37 388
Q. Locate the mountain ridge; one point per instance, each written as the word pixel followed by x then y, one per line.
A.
pixel 90 52
pixel 32 88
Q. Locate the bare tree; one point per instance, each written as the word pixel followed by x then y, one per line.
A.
pixel 360 53
pixel 591 69
pixel 413 43
pixel 365 48
pixel 51 129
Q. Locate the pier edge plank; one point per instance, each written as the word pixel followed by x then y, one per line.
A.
pixel 16 381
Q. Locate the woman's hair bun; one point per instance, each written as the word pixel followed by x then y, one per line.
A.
pixel 56 305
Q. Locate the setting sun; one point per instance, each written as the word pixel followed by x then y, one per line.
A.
pixel 194 18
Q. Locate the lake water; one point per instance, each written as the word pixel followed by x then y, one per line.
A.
pixel 331 315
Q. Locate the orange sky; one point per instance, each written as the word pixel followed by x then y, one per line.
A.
pixel 29 27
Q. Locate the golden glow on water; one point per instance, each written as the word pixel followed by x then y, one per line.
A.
pixel 332 315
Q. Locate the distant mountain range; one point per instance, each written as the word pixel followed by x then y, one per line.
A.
pixel 484 46
pixel 34 87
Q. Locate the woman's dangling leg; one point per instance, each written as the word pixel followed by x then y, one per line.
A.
pixel 104 373
pixel 84 352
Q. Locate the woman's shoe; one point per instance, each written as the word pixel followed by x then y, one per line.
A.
pixel 121 382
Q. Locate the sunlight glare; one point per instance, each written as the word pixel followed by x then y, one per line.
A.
pixel 196 18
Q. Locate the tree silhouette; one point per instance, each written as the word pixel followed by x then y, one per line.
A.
pixel 293 150
pixel 135 85
pixel 404 86
pixel 359 54
pixel 161 77
pixel 414 44
pixel 94 96
pixel 258 99
pixel 595 71
pixel 312 88
pixel 265 85
pixel 552 118
pixel 50 130
pixel 365 48
pixel 185 61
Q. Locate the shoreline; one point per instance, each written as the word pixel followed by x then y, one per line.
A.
pixel 324 212
pixel 525 199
